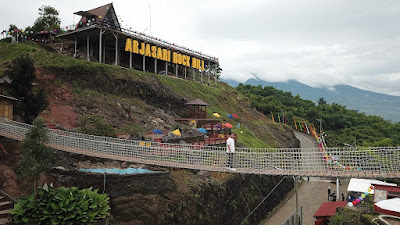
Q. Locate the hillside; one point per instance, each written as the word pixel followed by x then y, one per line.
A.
pixel 126 98
pixel 78 88
pixel 371 103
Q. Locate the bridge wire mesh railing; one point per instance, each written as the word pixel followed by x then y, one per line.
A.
pixel 246 160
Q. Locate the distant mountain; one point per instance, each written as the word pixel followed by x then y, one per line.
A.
pixel 371 103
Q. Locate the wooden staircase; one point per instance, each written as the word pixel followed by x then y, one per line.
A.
pixel 6 205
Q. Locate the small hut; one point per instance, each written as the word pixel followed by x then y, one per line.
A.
pixel 197 109
pixel 197 114
pixel 7 106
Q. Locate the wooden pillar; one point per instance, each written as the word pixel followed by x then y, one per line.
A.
pixel 144 63
pixel 100 43
pixel 166 68
pixel 104 51
pixel 116 48
pixel 176 70
pixel 87 48
pixel 185 72
pixel 130 59
pixel 76 43
pixel 62 44
pixel 201 76
pixel 208 73
pixel 155 66
pixel 194 75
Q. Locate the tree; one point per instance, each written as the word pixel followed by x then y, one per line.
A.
pixel 36 156
pixel 321 101
pixel 12 28
pixel 47 20
pixel 22 74
pixel 214 69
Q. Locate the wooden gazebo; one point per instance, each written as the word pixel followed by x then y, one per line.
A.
pixel 197 109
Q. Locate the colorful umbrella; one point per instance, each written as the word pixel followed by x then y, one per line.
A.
pixel 228 125
pixel 217 125
pixel 157 131
pixel 177 132
pixel 230 116
pixel 202 130
pixel 234 115
pixel 217 115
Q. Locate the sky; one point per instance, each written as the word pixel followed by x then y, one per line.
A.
pixel 321 43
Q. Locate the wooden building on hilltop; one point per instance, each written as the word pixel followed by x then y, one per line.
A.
pixel 100 37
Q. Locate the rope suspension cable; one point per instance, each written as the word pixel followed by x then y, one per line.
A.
pixel 262 201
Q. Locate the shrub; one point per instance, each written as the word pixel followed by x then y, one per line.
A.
pixel 95 125
pixel 131 129
pixel 61 206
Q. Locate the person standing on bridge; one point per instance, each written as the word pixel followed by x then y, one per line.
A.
pixel 230 150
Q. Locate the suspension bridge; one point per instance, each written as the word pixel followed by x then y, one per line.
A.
pixel 365 162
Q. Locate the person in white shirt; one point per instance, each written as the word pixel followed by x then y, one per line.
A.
pixel 230 149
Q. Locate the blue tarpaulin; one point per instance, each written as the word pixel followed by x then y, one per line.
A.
pixel 118 171
pixel 157 131
pixel 202 130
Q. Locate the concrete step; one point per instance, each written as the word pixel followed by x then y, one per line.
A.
pixel 5 213
pixel 3 221
pixel 6 205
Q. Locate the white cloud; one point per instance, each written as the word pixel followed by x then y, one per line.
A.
pixel 319 43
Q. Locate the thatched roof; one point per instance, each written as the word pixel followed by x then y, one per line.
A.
pixel 105 13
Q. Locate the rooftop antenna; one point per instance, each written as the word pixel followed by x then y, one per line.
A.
pixel 150 17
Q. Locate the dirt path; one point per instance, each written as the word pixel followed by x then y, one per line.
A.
pixel 310 194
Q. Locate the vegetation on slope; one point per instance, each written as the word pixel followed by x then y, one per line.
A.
pixel 122 97
pixel 125 96
pixel 340 124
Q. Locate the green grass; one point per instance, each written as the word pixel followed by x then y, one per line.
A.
pixel 98 79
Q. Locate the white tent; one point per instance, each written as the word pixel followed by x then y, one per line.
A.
pixel 390 204
pixel 362 185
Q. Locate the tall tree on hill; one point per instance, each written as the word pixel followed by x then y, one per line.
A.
pixel 321 101
pixel 12 27
pixel 47 20
pixel 22 74
pixel 36 156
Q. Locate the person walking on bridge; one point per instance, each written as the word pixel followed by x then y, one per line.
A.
pixel 230 150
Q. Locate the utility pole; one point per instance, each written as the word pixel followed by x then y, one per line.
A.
pixel 320 127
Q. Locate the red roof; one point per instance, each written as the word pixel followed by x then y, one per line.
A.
pixel 329 208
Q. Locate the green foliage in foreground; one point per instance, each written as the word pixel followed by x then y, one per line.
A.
pixel 61 206
pixel 340 124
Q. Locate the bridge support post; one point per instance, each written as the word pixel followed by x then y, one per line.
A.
pixel 296 220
